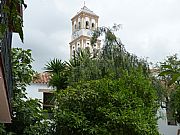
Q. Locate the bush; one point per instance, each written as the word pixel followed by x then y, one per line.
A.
pixel 107 107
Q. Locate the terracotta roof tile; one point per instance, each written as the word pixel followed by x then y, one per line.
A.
pixel 42 78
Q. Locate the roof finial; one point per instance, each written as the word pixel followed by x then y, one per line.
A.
pixel 84 3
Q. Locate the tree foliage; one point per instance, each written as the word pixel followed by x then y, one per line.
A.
pixel 175 103
pixel 171 69
pixel 15 20
pixel 111 61
pixel 109 94
pixel 58 72
pixel 170 76
pixel 115 107
pixel 27 115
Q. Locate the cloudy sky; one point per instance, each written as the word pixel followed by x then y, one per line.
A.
pixel 150 28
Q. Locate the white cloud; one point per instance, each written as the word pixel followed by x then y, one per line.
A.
pixel 151 28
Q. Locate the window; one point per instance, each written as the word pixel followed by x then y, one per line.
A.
pixel 79 49
pixel 87 25
pixel 73 53
pixel 48 101
pixel 170 119
pixel 79 25
pixel 75 26
pixel 92 25
pixel 178 132
pixel 48 98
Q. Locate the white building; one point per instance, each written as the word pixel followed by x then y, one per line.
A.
pixel 166 128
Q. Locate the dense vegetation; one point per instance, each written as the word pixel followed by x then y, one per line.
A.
pixel 170 77
pixel 112 93
pixel 106 106
pixel 12 19
pixel 27 116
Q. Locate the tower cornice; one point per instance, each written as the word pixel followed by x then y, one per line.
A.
pixel 85 12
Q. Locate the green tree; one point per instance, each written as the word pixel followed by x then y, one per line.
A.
pixel 175 103
pixel 170 77
pixel 2 129
pixel 109 94
pixel 27 115
pixel 170 69
pixel 114 107
pixel 83 67
pixel 111 61
pixel 58 72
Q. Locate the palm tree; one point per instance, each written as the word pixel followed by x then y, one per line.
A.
pixel 54 66
pixel 58 72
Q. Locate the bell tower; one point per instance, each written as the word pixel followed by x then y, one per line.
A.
pixel 83 25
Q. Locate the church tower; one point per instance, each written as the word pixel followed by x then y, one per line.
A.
pixel 83 25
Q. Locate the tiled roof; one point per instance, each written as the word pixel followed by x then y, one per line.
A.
pixel 86 10
pixel 154 70
pixel 42 78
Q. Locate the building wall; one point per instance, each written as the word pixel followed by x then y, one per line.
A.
pixel 164 128
pixel 33 90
